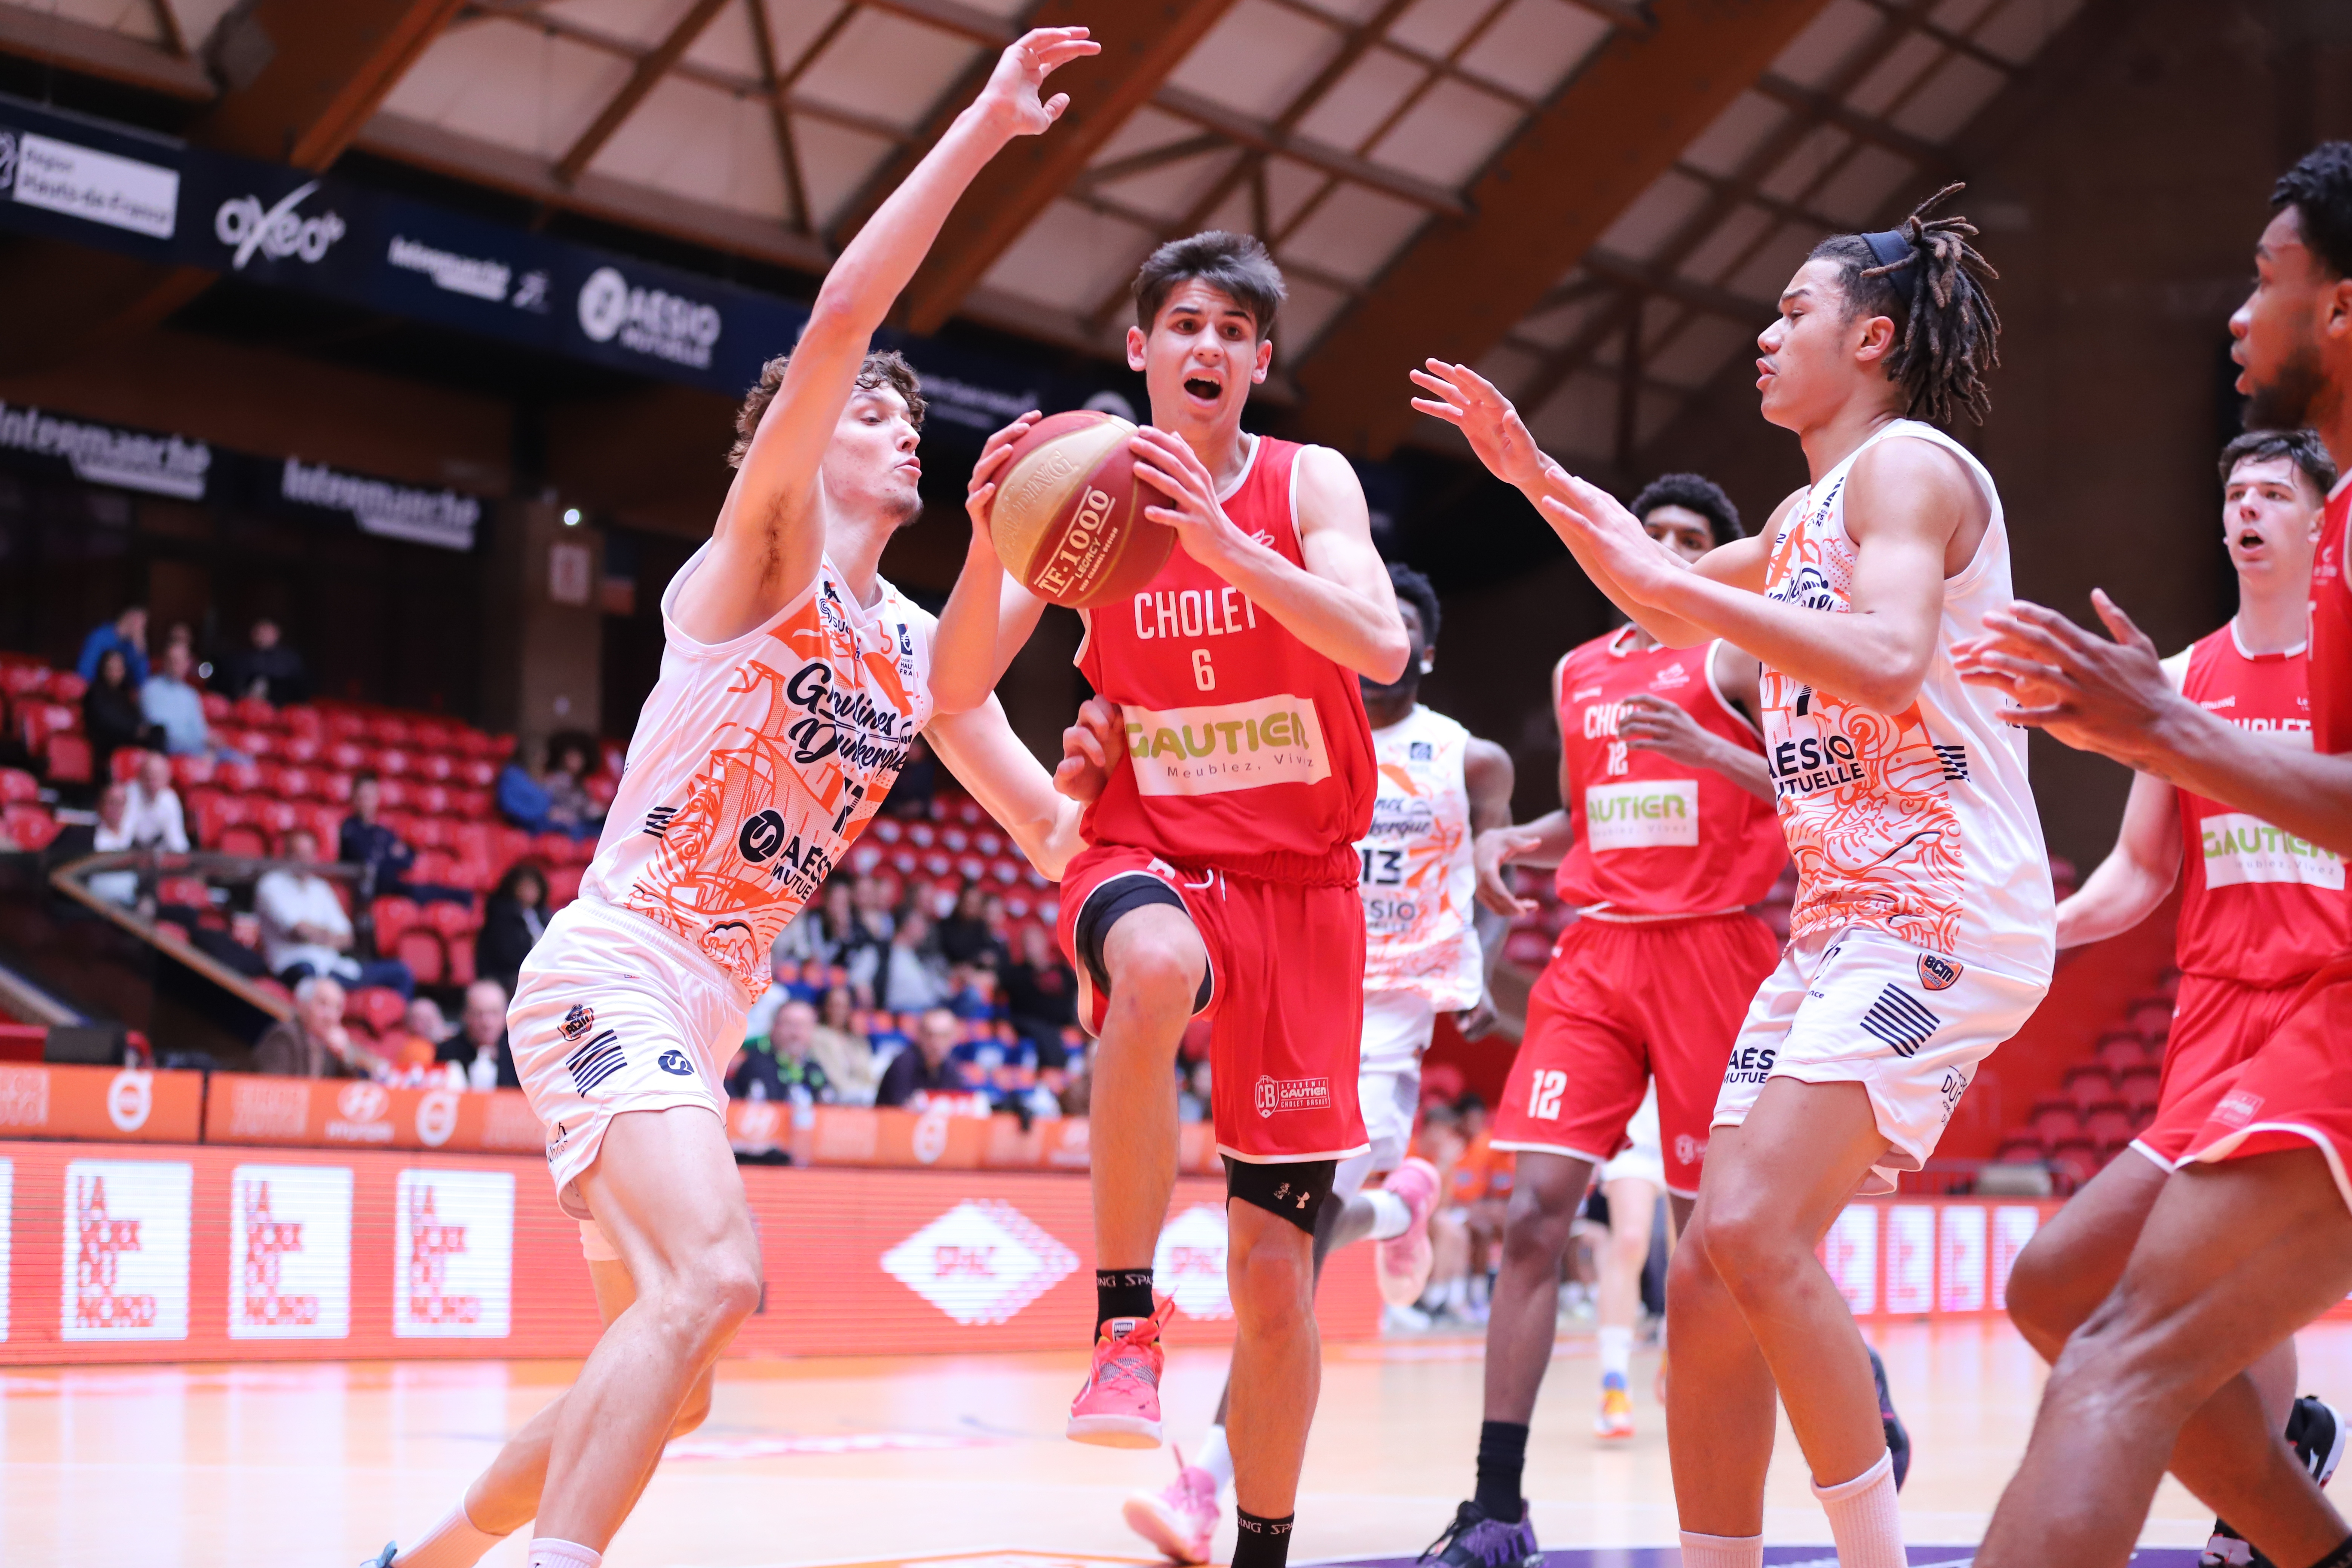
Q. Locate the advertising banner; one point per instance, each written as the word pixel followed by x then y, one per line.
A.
pixel 107 1103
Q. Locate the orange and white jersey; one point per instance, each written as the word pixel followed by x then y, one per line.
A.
pixel 1919 824
pixel 1417 876
pixel 756 761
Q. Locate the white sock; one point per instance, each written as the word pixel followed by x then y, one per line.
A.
pixel 1864 1520
pixel 1389 1215
pixel 1616 1351
pixel 549 1553
pixel 455 1543
pixel 1457 1291
pixel 1722 1551
pixel 1215 1458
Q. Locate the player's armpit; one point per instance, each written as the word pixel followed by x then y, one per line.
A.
pixel 980 748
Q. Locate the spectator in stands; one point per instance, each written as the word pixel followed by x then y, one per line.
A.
pixel 911 977
pixel 971 993
pixel 924 1069
pixel 268 670
pixel 513 919
pixel 842 1047
pixel 919 781
pixel 313 1042
pixel 111 834
pixel 873 904
pixel 838 932
pixel 1040 996
pixel 793 1045
pixel 304 929
pixel 416 1046
pixel 156 821
pixel 127 633
pixel 964 935
pixel 557 801
pixel 1193 1100
pixel 365 842
pixel 110 716
pixel 479 1049
pixel 171 701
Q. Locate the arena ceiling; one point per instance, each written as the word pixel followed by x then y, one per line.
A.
pixel 1595 200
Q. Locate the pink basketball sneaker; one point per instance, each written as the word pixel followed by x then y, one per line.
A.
pixel 1180 1520
pixel 1402 1262
pixel 1119 1405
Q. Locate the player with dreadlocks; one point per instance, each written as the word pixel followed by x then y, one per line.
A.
pixel 1922 933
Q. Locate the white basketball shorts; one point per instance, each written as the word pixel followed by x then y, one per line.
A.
pixel 1861 1006
pixel 1397 1028
pixel 1643 1158
pixel 613 1013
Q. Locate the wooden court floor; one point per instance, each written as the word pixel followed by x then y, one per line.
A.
pixel 883 1460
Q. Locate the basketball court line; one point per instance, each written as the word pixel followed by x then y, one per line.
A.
pixel 1578 1557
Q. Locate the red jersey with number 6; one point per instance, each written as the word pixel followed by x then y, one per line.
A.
pixel 2331 627
pixel 2258 904
pixel 1246 750
pixel 1654 839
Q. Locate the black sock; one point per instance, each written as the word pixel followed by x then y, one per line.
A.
pixel 1502 1460
pixel 1122 1293
pixel 2340 1558
pixel 1262 1542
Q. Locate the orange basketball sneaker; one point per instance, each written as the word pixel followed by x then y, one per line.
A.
pixel 1119 1405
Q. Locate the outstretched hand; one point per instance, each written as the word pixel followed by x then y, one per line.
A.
pixel 2091 693
pixel 980 493
pixel 1473 405
pixel 1011 97
pixel 1088 747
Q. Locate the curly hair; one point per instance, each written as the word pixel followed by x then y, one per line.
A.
pixel 884 367
pixel 2300 446
pixel 1697 493
pixel 2319 189
pixel 1415 590
pixel 1946 333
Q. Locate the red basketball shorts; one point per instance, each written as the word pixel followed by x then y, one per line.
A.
pixel 1286 1001
pixel 2217 1027
pixel 1618 1006
pixel 2296 1089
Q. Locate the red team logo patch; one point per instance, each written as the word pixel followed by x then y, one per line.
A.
pixel 2237 1108
pixel 1293 1094
pixel 1938 973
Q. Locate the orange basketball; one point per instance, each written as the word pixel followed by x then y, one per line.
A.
pixel 1069 514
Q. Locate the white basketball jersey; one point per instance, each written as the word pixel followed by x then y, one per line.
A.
pixel 1417 876
pixel 756 761
pixel 1919 823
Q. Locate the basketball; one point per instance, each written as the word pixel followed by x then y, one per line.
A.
pixel 1068 515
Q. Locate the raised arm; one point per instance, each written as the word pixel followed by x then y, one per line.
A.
pixel 770 531
pixel 989 614
pixel 2135 875
pixel 980 748
pixel 1341 604
pixel 2113 698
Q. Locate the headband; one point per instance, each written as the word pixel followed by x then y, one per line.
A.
pixel 1892 247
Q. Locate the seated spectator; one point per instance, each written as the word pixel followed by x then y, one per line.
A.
pixel 916 1073
pixel 478 1050
pixel 751 1073
pixel 110 716
pixel 887 1037
pixel 156 821
pixel 793 1045
pixel 127 635
pixel 304 929
pixel 841 1046
pixel 268 670
pixel 313 1042
pixel 910 978
pixel 171 702
pixel 557 801
pixel 417 1047
pixel 872 900
pixel 964 936
pixel 514 918
pixel 365 842
pixel 838 932
pixel 111 834
pixel 1040 996
pixel 971 993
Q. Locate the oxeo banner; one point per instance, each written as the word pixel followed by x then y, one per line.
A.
pixel 96 183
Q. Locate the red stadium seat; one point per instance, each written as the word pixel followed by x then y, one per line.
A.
pixel 38 718
pixel 394 792
pixel 886 830
pixel 2152 1018
pixel 393 762
pixel 238 778
pixel 508 845
pixel 123 766
pixel 430 799
pixel 242 840
pixel 554 848
pixel 255 743
pixel 432 734
pixel 2017 1150
pixel 66 687
pixel 209 811
pixel 336 787
pixel 429 832
pixel 921 835
pixel 2121 1051
pixel 388 730
pixel 379 1007
pixel 2054 1121
pixel 346 756
pixel 2139 1087
pixel 501 748
pixel 325 820
pixel 421 949
pixel 187 772
pixel 342 724
pixel 474 803
pixel 562 885
pixel 300 719
pixel 954 840
pixel 280 817
pixel 460 956
pixel 67 757
pixel 452 921
pixel 302 750
pixel 436 767
pixel 16 784
pixel 31 826
pixel 2108 1124
pixel 474 743
pixel 218 707
pixel 471 840
pixel 478 772
pixel 190 890
pixel 2087 1084
pixel 19 680
pixel 432 867
pixel 255 712
pixel 392 916
pixel 2074 1162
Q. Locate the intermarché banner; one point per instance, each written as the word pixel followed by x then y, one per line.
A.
pixel 110 1252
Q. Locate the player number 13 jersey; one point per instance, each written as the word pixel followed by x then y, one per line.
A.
pixel 1418 878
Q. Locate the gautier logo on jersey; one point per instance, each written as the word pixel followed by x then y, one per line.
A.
pixel 1647 814
pixel 1238 745
pixel 2240 848
pixel 1279 1094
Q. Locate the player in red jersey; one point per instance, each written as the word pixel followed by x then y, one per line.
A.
pixel 1667 834
pixel 2261 911
pixel 1222 875
pixel 2252 1238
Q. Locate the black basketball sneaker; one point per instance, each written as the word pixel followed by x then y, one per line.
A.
pixel 2317 1433
pixel 1898 1438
